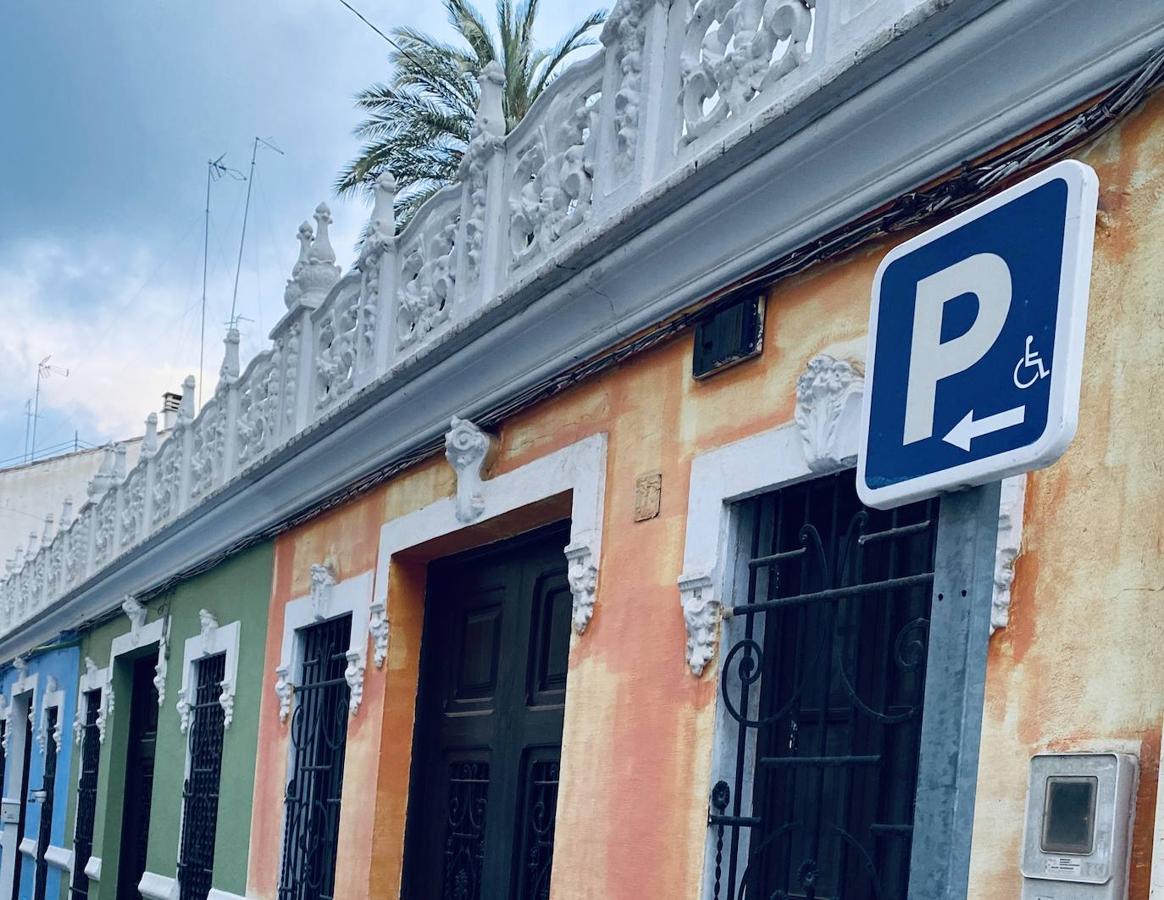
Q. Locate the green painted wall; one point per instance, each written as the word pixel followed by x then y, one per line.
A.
pixel 237 590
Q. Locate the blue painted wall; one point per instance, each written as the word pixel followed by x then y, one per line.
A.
pixel 61 664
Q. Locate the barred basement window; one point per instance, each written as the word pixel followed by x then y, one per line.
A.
pixel 200 791
pixel 45 831
pixel 319 733
pixel 86 795
pixel 823 682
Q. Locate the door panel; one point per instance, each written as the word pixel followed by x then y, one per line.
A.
pixel 489 722
pixel 139 778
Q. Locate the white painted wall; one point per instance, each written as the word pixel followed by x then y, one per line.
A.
pixel 30 492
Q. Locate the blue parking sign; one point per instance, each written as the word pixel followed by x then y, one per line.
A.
pixel 976 342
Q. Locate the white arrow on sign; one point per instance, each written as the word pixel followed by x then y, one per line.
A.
pixel 969 428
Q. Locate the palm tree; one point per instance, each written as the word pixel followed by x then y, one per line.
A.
pixel 417 125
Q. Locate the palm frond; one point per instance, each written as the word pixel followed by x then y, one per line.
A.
pixel 575 39
pixel 417 124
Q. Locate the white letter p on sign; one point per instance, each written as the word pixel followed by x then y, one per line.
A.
pixel 985 275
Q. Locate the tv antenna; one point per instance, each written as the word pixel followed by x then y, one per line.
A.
pixel 43 371
pixel 270 145
pixel 215 169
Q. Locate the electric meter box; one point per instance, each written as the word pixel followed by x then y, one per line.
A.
pixel 1078 835
pixel 9 811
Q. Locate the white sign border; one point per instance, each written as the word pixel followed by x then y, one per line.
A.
pixel 1070 329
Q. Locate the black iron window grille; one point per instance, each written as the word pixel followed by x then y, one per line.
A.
pixel 822 682
pixel 200 790
pixel 45 829
pixel 319 732
pixel 86 794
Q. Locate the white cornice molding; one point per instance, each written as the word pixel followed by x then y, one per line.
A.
pixel 579 469
pixel 93 868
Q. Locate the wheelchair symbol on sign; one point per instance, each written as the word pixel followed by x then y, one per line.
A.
pixel 1030 360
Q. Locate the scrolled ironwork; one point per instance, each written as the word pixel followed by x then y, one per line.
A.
pixel 318 745
pixel 200 791
pixel 824 679
pixel 86 794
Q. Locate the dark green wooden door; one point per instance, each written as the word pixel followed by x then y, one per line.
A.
pixel 139 779
pixel 489 723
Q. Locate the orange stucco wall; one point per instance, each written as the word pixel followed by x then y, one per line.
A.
pixel 1082 664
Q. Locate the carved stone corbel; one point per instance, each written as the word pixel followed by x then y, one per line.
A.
pixel 284 690
pixel 469 451
pixel 108 703
pixel 226 701
pixel 136 614
pixel 183 711
pixel 583 577
pixel 378 628
pixel 828 400
pixel 701 613
pixel 322 582
pixel 161 667
pixel 354 676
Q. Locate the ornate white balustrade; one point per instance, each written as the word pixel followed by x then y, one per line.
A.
pixel 672 84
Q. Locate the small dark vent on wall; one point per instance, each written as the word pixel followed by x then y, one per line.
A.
pixel 728 334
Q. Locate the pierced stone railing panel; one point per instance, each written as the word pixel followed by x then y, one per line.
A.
pixel 259 404
pixel 104 525
pixel 552 159
pixel 165 497
pixel 337 344
pixel 426 291
pixel 736 58
pixel 77 555
pixel 208 440
pixel 132 513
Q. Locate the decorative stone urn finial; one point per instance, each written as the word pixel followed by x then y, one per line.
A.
pixel 149 443
pixel 294 289
pixel 315 272
pixel 384 210
pixel 321 249
pixel 229 370
pixel 186 407
pixel 490 113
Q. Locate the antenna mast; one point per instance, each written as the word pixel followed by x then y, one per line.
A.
pixel 246 210
pixel 43 371
pixel 215 168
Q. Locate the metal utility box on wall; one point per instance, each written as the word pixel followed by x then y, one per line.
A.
pixel 9 811
pixel 1077 838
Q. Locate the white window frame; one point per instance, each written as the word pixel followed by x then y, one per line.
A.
pixel 822 439
pixel 578 469
pixel 92 679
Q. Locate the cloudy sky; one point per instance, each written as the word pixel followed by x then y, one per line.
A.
pixel 111 109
